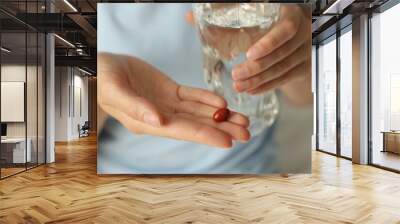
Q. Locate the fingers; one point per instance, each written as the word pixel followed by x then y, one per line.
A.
pixel 189 17
pixel 239 119
pixel 201 96
pixel 236 131
pixel 177 128
pixel 280 33
pixel 284 48
pixel 291 75
pixel 136 107
pixel 274 72
pixel 251 68
pixel 187 129
pixel 206 111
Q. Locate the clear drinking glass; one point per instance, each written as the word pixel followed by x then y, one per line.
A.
pixel 227 30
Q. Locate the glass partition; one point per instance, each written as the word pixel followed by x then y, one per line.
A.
pixel 346 93
pixel 22 92
pixel 41 111
pixel 385 89
pixel 31 98
pixel 327 95
pixel 14 153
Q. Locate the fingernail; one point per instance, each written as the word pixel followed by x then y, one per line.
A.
pixel 241 86
pixel 253 53
pixel 239 73
pixel 152 120
pixel 237 87
pixel 243 141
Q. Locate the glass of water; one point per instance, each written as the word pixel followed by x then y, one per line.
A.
pixel 227 31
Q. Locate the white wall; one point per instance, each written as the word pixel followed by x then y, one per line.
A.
pixel 13 73
pixel 80 84
pixel 61 103
pixel 70 83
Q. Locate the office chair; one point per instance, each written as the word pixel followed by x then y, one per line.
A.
pixel 84 130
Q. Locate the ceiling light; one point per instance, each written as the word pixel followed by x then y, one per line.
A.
pixel 70 5
pixel 64 40
pixel 79 51
pixel 337 7
pixel 84 71
pixel 5 49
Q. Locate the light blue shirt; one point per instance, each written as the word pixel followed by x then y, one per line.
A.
pixel 159 34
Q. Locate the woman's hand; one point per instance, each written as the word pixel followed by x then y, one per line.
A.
pixel 146 101
pixel 282 55
pixel 280 59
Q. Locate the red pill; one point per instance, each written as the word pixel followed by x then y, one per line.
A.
pixel 221 115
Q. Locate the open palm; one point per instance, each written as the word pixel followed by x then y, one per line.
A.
pixel 146 101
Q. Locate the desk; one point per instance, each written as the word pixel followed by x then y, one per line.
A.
pixel 391 141
pixel 13 150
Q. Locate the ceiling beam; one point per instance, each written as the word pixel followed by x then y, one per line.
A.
pixel 84 24
pixel 77 61
pixel 337 7
pixel 49 22
pixel 320 22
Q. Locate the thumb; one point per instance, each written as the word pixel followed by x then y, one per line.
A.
pixel 136 107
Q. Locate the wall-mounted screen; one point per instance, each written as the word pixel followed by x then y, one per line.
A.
pixel 12 101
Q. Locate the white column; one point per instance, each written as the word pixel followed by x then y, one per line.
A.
pixel 50 100
pixel 360 90
pixel 50 92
